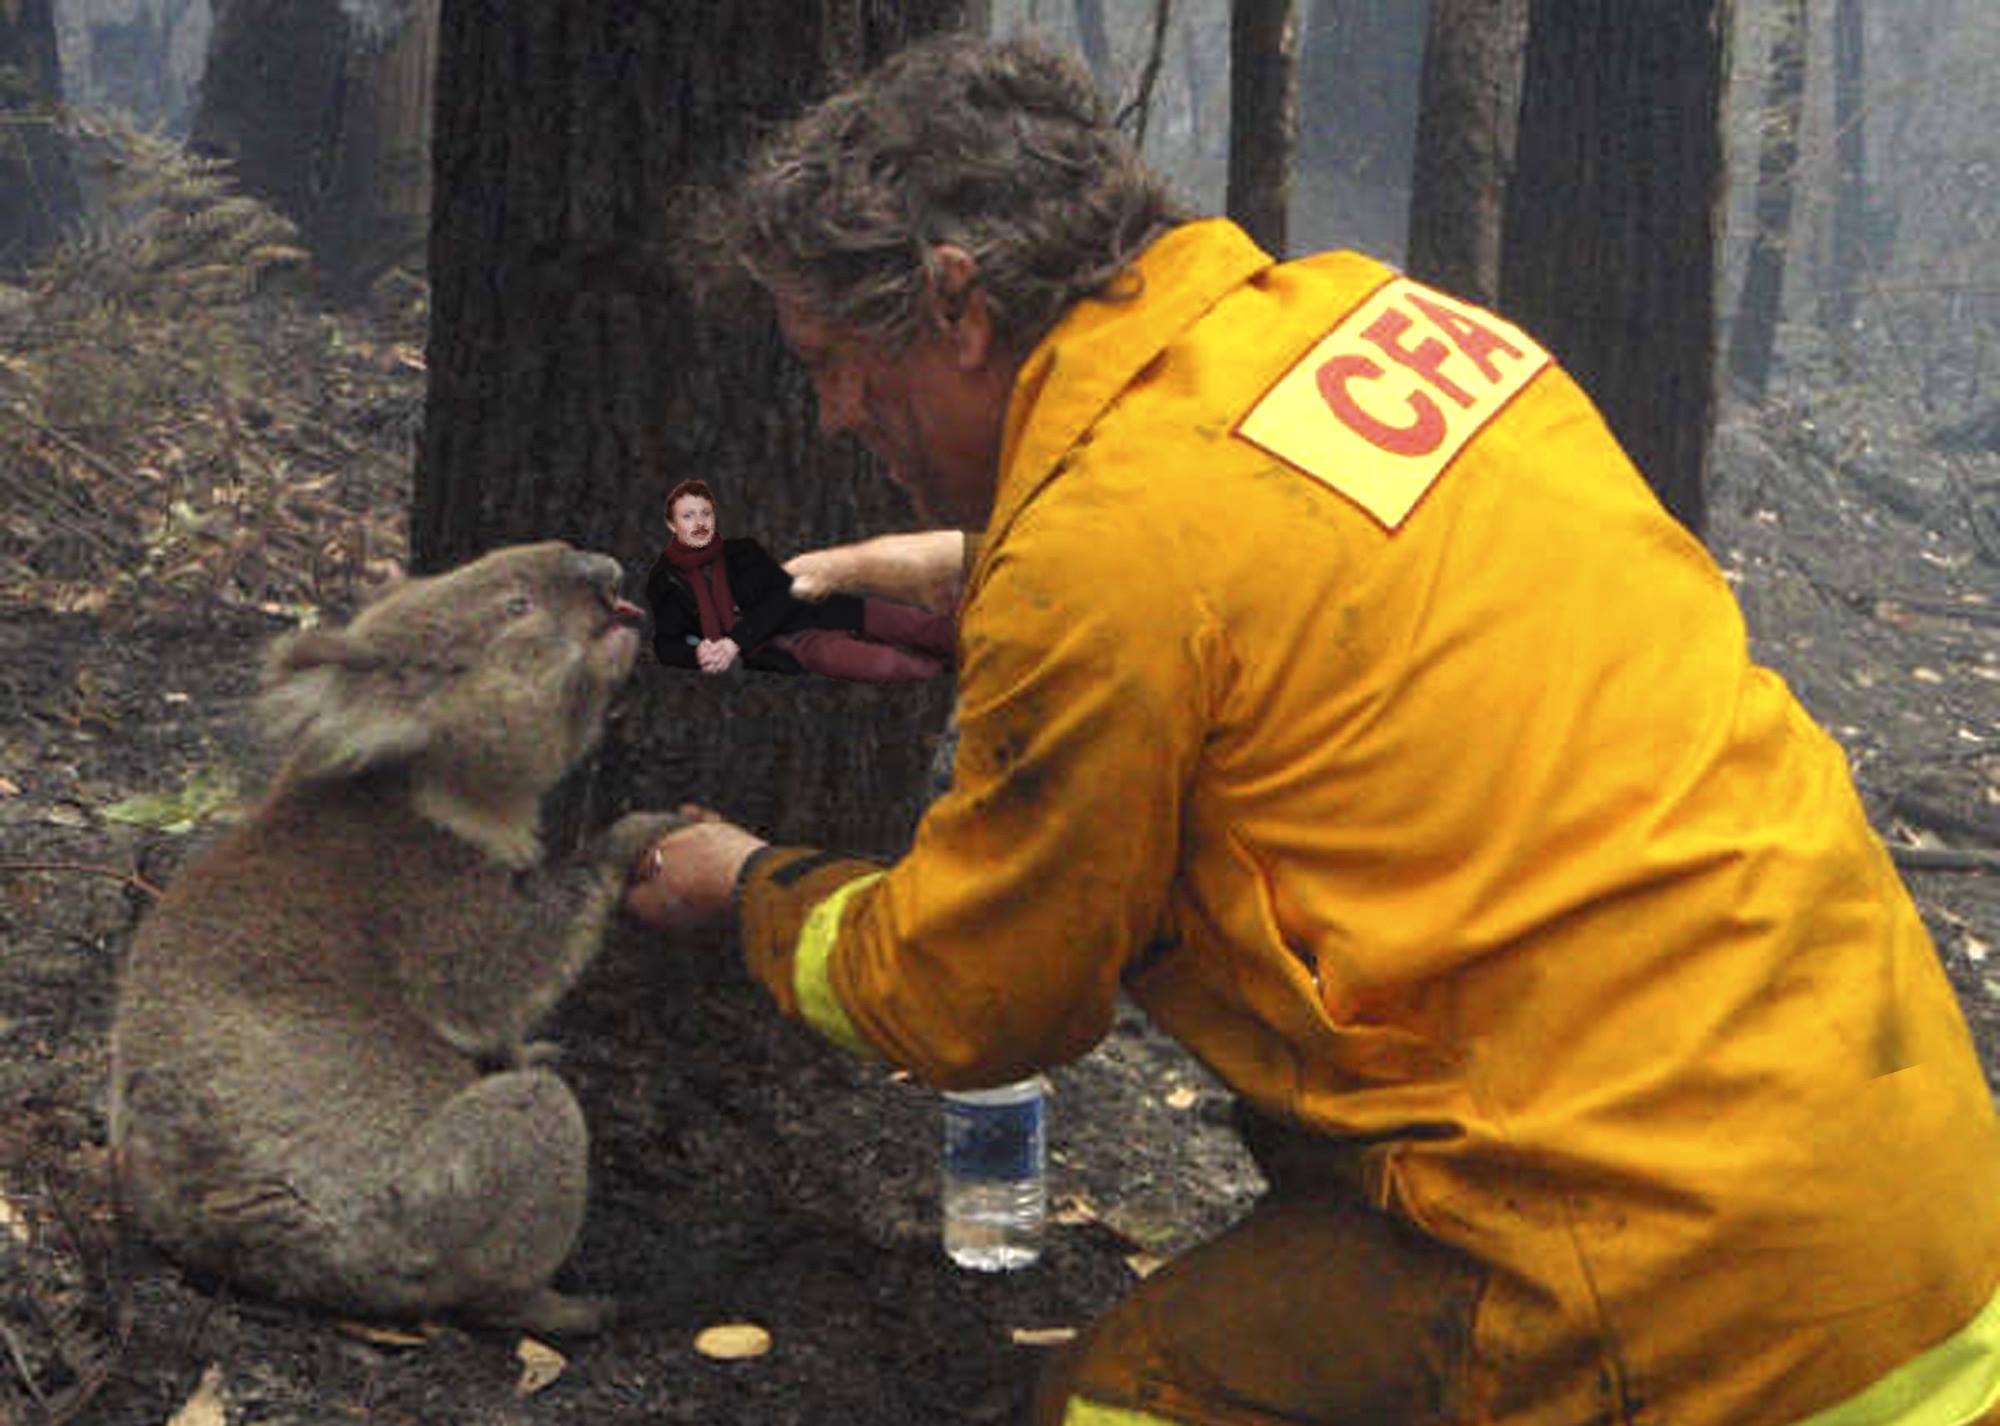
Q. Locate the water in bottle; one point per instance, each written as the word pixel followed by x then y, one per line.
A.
pixel 995 1192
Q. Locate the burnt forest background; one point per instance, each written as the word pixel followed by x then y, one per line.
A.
pixel 297 295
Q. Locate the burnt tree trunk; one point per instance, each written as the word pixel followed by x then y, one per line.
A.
pixel 323 111
pixel 1094 39
pixel 572 386
pixel 1753 336
pixel 270 97
pixel 1853 258
pixel 39 199
pixel 1609 254
pixel 377 212
pixel 1263 117
pixel 1466 125
pixel 1360 80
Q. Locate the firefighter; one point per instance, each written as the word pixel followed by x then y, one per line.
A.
pixel 1333 685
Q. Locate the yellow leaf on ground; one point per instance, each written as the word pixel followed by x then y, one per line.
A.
pixel 12 1220
pixel 207 1406
pixel 1043 1336
pixel 732 1341
pixel 382 1336
pixel 1182 1097
pixel 1144 1264
pixel 540 1365
pixel 1073 1210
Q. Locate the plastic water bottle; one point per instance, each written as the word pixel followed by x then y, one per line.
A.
pixel 995 1162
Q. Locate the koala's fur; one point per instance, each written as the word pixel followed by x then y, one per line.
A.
pixel 321 1086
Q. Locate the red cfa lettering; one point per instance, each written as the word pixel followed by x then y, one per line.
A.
pixel 1390 333
pixel 1474 339
pixel 1426 358
pixel 1420 437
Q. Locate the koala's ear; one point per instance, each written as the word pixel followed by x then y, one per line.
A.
pixel 321 702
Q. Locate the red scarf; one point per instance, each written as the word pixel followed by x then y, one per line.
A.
pixel 708 576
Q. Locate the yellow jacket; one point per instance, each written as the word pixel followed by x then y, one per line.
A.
pixel 1331 681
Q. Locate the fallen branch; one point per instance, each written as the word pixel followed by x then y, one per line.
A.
pixel 22 1370
pixel 130 878
pixel 1947 822
pixel 1943 609
pixel 84 453
pixel 1945 858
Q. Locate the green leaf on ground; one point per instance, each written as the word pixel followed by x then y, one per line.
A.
pixel 204 797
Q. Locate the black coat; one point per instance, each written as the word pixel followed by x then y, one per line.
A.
pixel 764 608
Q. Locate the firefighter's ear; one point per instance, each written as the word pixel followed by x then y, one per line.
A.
pixel 958 305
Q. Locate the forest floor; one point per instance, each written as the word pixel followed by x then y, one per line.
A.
pixel 158 529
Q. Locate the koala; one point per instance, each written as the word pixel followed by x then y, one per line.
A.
pixel 322 1087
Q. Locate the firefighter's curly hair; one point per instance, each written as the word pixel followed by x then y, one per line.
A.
pixel 1003 149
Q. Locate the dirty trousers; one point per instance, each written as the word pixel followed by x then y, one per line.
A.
pixel 1316 1308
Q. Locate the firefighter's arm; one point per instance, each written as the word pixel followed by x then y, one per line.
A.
pixel 927 568
pixel 994 947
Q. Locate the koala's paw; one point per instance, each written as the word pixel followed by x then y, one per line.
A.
pixel 631 835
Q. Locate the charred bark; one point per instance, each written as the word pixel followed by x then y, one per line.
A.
pixel 1263 117
pixel 1611 220
pixel 323 111
pixel 1466 127
pixel 39 199
pixel 1853 255
pixel 1760 307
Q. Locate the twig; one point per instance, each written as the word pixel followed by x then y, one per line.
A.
pixel 1944 609
pixel 69 443
pixel 1937 817
pixel 1139 107
pixel 21 1368
pixel 1945 858
pixel 130 878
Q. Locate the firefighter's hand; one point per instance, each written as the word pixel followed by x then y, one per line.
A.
pixel 818 573
pixel 687 880
pixel 925 568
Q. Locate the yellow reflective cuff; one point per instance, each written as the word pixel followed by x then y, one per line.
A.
pixel 818 1005
pixel 1955 1383
pixel 1091 1413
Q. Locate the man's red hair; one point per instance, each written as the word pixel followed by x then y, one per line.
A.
pixel 688 487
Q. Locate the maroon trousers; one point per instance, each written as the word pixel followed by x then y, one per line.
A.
pixel 897 644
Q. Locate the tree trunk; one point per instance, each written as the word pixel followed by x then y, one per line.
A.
pixel 1263 117
pixel 377 212
pixel 143 59
pixel 38 192
pixel 270 98
pixel 1760 308
pixel 572 387
pixel 1095 41
pixel 323 110
pixel 1609 254
pixel 1852 259
pixel 1466 125
pixel 1360 80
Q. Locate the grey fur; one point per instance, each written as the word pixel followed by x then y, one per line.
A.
pixel 304 1097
